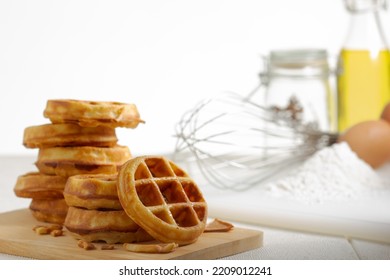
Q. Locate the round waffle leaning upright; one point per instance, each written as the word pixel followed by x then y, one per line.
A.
pixel 162 199
pixel 92 113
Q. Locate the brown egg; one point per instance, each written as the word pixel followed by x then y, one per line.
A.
pixel 386 113
pixel 370 140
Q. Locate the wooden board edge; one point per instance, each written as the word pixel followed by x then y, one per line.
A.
pixel 238 240
pixel 251 242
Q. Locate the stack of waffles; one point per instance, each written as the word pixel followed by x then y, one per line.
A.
pixel 80 139
pixel 97 191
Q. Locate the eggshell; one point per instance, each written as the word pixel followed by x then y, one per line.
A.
pixel 370 140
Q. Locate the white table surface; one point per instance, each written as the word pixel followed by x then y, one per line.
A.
pixel 279 244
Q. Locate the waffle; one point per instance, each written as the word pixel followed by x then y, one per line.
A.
pixel 162 199
pixel 67 134
pixel 97 191
pixel 69 161
pixel 49 210
pixel 218 225
pixel 39 186
pixel 108 226
pixel 92 114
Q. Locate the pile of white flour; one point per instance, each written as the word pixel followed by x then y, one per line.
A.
pixel 333 173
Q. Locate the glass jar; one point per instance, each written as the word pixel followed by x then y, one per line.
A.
pixel 300 78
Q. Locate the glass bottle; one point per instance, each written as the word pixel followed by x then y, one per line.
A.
pixel 363 80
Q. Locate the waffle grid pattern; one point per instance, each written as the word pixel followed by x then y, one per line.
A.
pixel 169 193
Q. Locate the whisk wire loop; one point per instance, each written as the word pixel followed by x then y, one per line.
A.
pixel 238 144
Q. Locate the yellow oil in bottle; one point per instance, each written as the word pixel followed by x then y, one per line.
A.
pixel 363 86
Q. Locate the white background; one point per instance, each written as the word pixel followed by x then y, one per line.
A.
pixel 164 56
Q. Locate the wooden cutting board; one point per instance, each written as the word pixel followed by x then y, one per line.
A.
pixel 18 238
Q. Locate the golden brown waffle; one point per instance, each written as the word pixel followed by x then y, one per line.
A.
pixel 49 210
pixel 92 113
pixel 218 225
pixel 39 186
pixel 160 197
pixel 108 226
pixel 68 134
pixel 97 191
pixel 69 161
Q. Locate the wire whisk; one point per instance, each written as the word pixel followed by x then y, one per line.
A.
pixel 238 144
